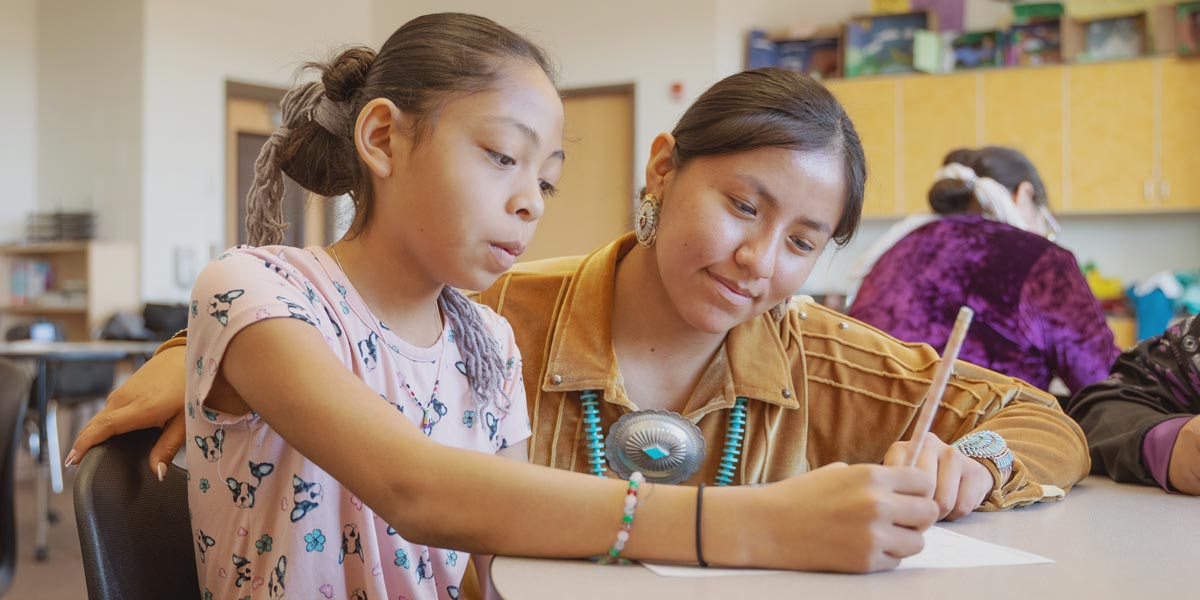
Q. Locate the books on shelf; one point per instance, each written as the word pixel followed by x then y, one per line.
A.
pixel 32 283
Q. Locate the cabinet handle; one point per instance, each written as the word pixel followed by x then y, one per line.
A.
pixel 1147 190
pixel 1164 189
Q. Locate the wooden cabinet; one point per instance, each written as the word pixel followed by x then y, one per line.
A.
pixel 87 282
pixel 939 115
pixel 1023 108
pixel 1179 178
pixel 1107 138
pixel 1110 137
pixel 871 104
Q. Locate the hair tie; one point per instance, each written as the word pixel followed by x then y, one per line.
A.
pixel 957 171
pixel 333 116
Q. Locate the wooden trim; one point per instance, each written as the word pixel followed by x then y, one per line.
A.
pixel 44 247
pixel 599 90
pixel 253 91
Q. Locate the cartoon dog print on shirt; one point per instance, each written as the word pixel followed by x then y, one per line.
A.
pixel 297 311
pixel 242 566
pixel 493 425
pixel 424 567
pixel 211 445
pixel 276 587
pixel 220 304
pixel 368 349
pixel 243 492
pixel 278 269
pixel 358 594
pixel 332 321
pixel 307 497
pixel 351 543
pixel 203 543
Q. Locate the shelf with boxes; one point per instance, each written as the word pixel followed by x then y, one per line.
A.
pixel 78 284
pixel 909 36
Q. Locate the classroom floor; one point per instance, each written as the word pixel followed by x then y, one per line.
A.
pixel 61 576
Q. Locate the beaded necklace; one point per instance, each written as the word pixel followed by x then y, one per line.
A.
pixel 597 451
pixel 433 409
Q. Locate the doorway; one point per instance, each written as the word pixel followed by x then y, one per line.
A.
pixel 594 203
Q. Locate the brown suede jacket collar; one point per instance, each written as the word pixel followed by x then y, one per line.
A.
pixel 752 363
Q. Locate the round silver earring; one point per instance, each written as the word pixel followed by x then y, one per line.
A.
pixel 646 221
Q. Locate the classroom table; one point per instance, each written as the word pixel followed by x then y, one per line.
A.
pixel 45 355
pixel 1109 540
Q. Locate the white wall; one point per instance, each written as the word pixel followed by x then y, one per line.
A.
pixel 191 49
pixel 89 111
pixel 18 127
pixel 649 43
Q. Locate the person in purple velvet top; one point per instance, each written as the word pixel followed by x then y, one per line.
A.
pixel 1141 422
pixel 986 247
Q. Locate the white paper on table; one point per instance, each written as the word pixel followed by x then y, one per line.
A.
pixel 944 549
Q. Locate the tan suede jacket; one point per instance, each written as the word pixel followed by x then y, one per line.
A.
pixel 822 387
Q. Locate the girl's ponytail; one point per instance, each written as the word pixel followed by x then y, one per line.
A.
pixel 314 146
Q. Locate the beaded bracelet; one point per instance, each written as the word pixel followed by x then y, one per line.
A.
pixel 631 504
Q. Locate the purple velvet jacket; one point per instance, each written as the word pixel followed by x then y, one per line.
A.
pixel 1035 316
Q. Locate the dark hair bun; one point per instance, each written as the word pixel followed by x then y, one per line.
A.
pixel 344 75
pixel 951 196
pixel 962 156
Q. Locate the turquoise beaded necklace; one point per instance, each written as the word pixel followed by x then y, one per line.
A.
pixel 734 434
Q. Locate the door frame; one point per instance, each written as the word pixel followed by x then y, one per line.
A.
pixel 314 213
pixel 618 88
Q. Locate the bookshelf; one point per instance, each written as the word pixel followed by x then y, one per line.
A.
pixel 76 284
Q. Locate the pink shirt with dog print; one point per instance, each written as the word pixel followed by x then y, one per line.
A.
pixel 266 521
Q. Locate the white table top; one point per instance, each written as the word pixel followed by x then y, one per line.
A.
pixel 1108 540
pixel 80 350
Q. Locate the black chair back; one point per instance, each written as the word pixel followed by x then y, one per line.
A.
pixel 134 530
pixel 15 385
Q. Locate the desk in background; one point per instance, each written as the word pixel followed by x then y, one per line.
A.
pixel 46 354
pixel 1108 540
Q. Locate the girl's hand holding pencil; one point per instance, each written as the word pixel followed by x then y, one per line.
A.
pixel 962 482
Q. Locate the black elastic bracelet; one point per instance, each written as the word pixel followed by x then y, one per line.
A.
pixel 699 504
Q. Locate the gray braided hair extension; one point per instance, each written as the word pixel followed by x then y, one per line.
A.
pixel 485 369
pixel 264 202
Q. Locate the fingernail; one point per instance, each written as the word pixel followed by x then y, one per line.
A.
pixel 71 456
pixel 162 471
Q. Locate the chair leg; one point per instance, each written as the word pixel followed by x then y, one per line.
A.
pixel 52 447
pixel 42 491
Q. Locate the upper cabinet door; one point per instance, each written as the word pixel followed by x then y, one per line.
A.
pixel 940 114
pixel 871 104
pixel 1110 141
pixel 1179 185
pixel 1023 109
